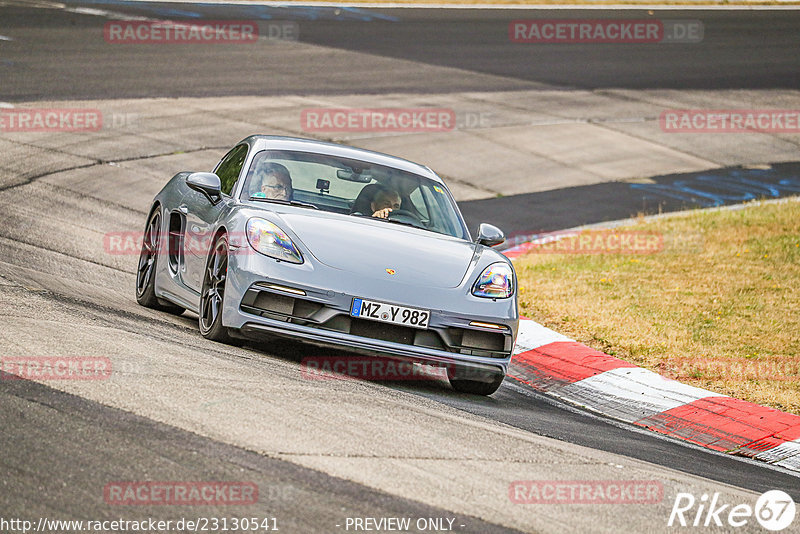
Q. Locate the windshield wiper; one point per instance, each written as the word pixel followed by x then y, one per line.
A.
pixel 395 221
pixel 401 222
pixel 286 202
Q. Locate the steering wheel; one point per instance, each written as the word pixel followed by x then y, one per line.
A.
pixel 406 216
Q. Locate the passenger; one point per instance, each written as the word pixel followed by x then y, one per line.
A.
pixel 274 181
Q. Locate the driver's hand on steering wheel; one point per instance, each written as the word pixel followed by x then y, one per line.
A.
pixel 385 200
pixel 382 214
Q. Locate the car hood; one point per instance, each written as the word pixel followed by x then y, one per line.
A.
pixel 373 248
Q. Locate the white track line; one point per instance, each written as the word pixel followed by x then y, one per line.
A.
pixel 105 13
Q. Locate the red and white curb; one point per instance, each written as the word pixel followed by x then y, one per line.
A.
pixel 560 367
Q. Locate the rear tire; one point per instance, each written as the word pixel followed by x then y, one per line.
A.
pixel 212 296
pixel 148 267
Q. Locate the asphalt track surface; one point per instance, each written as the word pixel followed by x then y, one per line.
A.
pixel 65 441
pixel 740 50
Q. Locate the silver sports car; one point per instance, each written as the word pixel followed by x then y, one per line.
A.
pixel 336 246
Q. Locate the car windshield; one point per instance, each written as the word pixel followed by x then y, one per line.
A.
pixel 352 187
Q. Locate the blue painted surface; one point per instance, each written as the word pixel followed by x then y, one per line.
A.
pixel 737 185
pixel 256 12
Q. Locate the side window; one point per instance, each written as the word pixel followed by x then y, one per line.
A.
pixel 229 168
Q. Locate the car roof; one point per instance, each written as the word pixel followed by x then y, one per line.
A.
pixel 298 144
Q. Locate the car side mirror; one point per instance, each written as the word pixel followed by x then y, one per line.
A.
pixel 207 183
pixel 489 235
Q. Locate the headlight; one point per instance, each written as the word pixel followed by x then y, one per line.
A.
pixel 496 281
pixel 271 241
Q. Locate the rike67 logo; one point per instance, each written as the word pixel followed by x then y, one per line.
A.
pixel 774 510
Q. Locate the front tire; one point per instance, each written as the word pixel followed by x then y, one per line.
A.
pixel 476 387
pixel 212 296
pixel 148 267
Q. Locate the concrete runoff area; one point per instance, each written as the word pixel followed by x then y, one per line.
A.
pixel 519 148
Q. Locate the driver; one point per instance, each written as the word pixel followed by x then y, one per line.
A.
pixel 384 201
pixel 403 183
pixel 273 181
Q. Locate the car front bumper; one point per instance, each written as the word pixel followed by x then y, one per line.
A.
pixel 264 296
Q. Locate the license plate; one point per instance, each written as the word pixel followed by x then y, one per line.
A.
pixel 389 313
